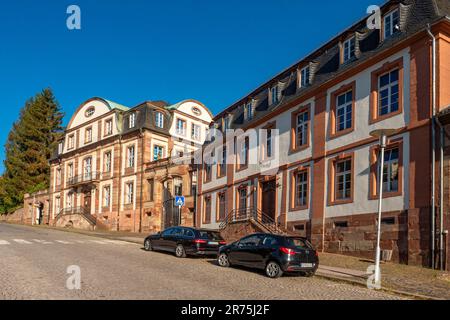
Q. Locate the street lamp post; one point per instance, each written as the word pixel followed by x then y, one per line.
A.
pixel 382 135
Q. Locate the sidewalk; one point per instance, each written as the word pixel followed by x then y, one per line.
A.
pixel 421 283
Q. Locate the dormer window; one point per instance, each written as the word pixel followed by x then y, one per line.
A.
pixel 274 96
pixel 248 109
pixel 391 23
pixel 349 49
pixel 132 120
pixel 159 119
pixel 226 123
pixel 304 77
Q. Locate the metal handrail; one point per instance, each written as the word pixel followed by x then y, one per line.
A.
pixel 254 214
pixel 85 177
pixel 85 212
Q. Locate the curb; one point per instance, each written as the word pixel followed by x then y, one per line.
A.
pixel 385 289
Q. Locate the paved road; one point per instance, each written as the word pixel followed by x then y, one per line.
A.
pixel 34 262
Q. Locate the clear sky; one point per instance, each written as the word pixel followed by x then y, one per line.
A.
pixel 215 51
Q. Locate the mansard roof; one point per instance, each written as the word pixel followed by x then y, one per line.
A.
pixel 325 63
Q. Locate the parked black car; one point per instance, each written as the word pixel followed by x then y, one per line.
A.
pixel 273 253
pixel 185 241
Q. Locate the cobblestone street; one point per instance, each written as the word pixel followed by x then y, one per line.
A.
pixel 34 262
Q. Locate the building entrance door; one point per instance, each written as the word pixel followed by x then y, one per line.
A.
pixel 268 198
pixel 87 202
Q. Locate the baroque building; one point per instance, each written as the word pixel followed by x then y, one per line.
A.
pixel 113 169
pixel 314 172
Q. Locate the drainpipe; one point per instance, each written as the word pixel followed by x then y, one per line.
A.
pixel 142 179
pixel 433 145
pixel 441 200
pixel 119 194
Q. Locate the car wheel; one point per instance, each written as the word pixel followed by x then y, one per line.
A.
pixel 273 270
pixel 148 246
pixel 180 252
pixel 223 260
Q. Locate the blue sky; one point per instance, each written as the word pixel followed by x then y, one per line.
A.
pixel 130 51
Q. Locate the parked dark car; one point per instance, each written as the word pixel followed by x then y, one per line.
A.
pixel 273 253
pixel 185 241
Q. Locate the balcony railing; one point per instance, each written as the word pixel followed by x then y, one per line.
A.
pixel 84 178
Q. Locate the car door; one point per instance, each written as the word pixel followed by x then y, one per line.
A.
pixel 245 252
pixel 164 241
pixel 264 251
pixel 172 239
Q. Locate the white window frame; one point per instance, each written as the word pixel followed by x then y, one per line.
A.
pixel 71 141
pixel 248 110
pixel 304 77
pixel 159 119
pixel 388 169
pixel 300 199
pixel 107 196
pixel 303 127
pixel 347 177
pixel 88 135
pixel 129 192
pixel 389 87
pixel 88 168
pixel 132 120
pixel 57 204
pixel 109 126
pixel 349 49
pixel 389 26
pixel 69 200
pixel 70 170
pixel 274 95
pixel 130 156
pixel 196 132
pixel 160 151
pixel 180 131
pixel 58 176
pixel 344 106
pixel 108 161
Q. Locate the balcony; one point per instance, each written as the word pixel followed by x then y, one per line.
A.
pixel 84 179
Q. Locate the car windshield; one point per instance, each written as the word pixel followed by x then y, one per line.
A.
pixel 298 243
pixel 210 235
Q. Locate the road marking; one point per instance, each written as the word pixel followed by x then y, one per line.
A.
pixel 63 242
pixel 116 242
pixel 21 241
pixel 98 241
pixel 42 241
pixel 4 242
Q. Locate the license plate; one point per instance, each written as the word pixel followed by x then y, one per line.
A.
pixel 213 242
pixel 306 265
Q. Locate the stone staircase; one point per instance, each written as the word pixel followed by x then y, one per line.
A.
pixel 239 223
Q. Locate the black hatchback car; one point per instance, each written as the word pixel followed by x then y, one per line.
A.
pixel 273 253
pixel 185 241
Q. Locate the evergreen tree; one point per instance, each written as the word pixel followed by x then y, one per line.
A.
pixel 30 144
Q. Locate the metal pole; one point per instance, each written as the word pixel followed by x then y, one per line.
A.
pixel 433 142
pixel 441 202
pixel 380 199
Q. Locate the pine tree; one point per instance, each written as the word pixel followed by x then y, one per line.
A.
pixel 30 144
